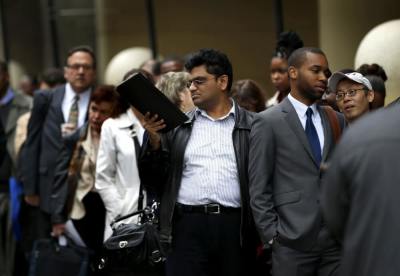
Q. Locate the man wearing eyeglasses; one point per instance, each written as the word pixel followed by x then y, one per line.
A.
pixel 354 94
pixel 205 214
pixel 55 113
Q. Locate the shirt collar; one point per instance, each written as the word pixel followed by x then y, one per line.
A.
pixel 8 97
pixel 127 119
pixel 300 107
pixel 70 93
pixel 203 113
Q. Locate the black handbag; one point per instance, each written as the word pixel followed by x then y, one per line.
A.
pixel 50 258
pixel 134 246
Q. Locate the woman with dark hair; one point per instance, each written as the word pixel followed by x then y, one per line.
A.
pixel 377 77
pixel 78 210
pixel 287 43
pixel 249 95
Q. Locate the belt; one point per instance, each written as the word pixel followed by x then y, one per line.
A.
pixel 208 209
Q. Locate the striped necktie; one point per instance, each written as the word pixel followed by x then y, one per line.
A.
pixel 74 112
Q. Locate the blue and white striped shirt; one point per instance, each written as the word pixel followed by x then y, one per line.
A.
pixel 210 172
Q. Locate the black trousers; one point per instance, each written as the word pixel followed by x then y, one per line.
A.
pixel 91 226
pixel 205 244
pixel 322 260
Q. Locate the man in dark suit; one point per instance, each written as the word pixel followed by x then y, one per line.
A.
pixel 287 145
pixel 360 195
pixel 65 108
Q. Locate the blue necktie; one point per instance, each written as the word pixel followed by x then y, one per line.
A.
pixel 312 136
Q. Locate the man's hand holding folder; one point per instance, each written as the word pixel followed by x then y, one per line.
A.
pixel 153 126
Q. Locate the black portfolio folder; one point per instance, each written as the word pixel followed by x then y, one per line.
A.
pixel 143 95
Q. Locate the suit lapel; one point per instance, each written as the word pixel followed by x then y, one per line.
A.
pixel 294 122
pixel 327 133
pixel 57 102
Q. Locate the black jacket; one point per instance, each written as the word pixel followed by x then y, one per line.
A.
pixel 168 162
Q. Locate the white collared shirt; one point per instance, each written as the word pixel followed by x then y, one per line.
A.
pixel 301 110
pixel 210 173
pixel 83 104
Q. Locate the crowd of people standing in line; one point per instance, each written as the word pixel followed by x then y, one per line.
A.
pixel 239 183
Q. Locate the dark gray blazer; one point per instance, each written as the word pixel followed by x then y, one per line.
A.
pixel 284 177
pixel 43 144
pixel 360 195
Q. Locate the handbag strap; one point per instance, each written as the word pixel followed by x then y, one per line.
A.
pixel 119 218
pixel 137 153
pixel 74 171
pixel 334 122
pixel 140 209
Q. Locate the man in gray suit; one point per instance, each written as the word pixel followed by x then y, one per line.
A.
pixel 288 143
pixel 64 107
pixel 360 195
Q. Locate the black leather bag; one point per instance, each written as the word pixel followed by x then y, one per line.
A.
pixel 133 246
pixel 50 258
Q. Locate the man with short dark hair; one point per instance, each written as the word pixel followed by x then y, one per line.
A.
pixel 288 143
pixel 205 212
pixel 55 113
pixel 353 92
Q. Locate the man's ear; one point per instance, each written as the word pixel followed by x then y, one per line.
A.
pixel 370 96
pixel 292 72
pixel 223 82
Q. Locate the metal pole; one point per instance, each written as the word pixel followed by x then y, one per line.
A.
pixel 5 46
pixel 152 28
pixel 54 33
pixel 278 17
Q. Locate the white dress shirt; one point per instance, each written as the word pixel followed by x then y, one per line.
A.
pixel 117 175
pixel 301 110
pixel 210 170
pixel 83 104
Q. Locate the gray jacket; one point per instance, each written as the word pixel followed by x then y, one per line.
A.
pixel 284 177
pixel 360 195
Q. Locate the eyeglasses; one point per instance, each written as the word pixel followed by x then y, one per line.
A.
pixel 76 67
pixel 198 81
pixel 351 93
